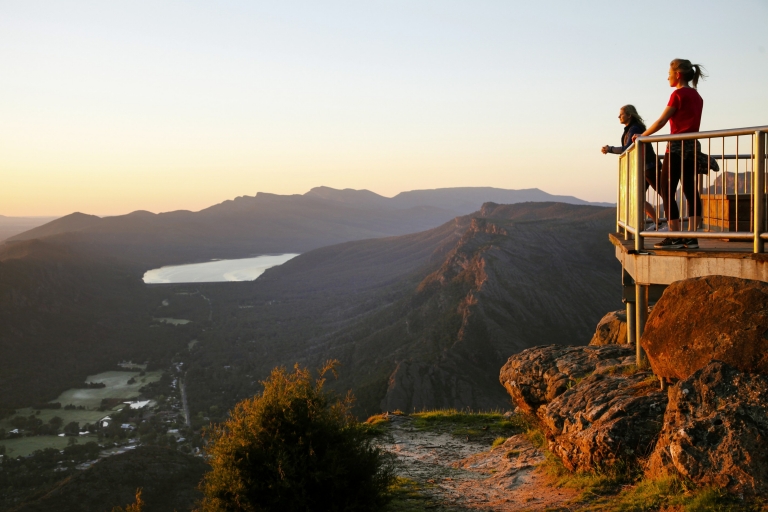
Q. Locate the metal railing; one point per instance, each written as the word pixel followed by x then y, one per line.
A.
pixel 727 199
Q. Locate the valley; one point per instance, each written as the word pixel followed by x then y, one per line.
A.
pixel 417 321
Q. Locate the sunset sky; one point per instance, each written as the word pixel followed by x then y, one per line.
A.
pixel 110 107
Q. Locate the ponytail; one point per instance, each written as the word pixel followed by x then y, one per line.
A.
pixel 689 72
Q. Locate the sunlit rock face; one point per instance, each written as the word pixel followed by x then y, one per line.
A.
pixel 611 330
pixel 715 430
pixel 538 375
pixel 708 318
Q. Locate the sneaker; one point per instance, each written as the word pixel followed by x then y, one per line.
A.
pixel 670 243
pixel 691 243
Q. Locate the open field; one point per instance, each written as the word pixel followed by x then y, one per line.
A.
pixel 116 387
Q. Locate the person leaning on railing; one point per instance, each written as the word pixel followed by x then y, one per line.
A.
pixel 684 115
pixel 634 125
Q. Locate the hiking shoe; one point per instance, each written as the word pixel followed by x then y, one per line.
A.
pixel 691 243
pixel 670 243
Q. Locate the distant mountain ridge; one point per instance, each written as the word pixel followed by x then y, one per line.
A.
pixel 271 223
pixel 462 200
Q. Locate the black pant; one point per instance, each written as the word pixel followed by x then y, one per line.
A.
pixel 671 171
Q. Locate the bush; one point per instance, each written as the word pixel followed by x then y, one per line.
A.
pixel 294 448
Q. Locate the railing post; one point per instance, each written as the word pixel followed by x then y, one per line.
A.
pixel 641 305
pixel 758 188
pixel 639 194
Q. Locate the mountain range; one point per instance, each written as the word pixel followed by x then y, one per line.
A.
pixel 270 223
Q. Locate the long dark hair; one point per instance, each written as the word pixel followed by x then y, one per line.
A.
pixel 632 111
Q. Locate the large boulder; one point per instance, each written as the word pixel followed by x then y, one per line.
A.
pixel 716 431
pixel 699 320
pixel 538 375
pixel 609 416
pixel 612 329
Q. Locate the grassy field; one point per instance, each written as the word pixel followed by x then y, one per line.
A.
pixel 24 446
pixel 117 386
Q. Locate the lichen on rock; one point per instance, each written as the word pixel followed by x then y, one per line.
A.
pixel 607 417
pixel 715 431
pixel 706 318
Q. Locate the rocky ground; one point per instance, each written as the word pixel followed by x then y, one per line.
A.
pixel 455 472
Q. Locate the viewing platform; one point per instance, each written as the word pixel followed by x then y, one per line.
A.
pixel 732 217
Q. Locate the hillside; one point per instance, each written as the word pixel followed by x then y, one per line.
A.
pixel 65 314
pixel 418 321
pixel 269 223
pixel 168 480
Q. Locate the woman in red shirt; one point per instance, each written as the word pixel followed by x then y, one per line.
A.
pixel 684 115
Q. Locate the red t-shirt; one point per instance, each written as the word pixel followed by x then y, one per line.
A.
pixel 689 105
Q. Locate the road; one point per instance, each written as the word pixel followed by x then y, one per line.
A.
pixel 184 402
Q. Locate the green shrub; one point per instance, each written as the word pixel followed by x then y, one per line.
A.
pixel 294 448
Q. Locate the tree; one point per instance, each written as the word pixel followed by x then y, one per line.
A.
pixel 136 506
pixel 72 428
pixel 294 448
pixel 56 422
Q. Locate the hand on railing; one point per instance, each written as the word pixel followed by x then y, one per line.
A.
pixel 605 149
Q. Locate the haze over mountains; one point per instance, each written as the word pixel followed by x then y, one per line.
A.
pixel 270 223
pixel 421 320
pixel 10 226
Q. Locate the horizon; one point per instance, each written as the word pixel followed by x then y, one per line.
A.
pixel 155 107
pixel 592 203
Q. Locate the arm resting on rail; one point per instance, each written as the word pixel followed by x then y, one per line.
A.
pixel 659 123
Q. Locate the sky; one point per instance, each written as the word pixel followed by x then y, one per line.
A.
pixel 111 107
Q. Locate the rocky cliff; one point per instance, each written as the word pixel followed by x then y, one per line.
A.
pixel 709 428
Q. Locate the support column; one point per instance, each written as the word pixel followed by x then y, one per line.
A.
pixel 628 297
pixel 758 186
pixel 641 303
pixel 631 324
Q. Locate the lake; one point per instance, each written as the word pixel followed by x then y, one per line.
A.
pixel 243 269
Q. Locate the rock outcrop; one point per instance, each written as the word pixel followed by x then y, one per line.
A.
pixel 716 430
pixel 612 329
pixel 608 416
pixel 699 320
pixel 536 376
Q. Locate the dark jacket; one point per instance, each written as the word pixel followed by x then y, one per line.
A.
pixel 632 129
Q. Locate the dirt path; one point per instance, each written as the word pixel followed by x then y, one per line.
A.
pixel 467 475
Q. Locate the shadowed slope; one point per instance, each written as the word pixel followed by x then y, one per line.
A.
pixel 422 320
